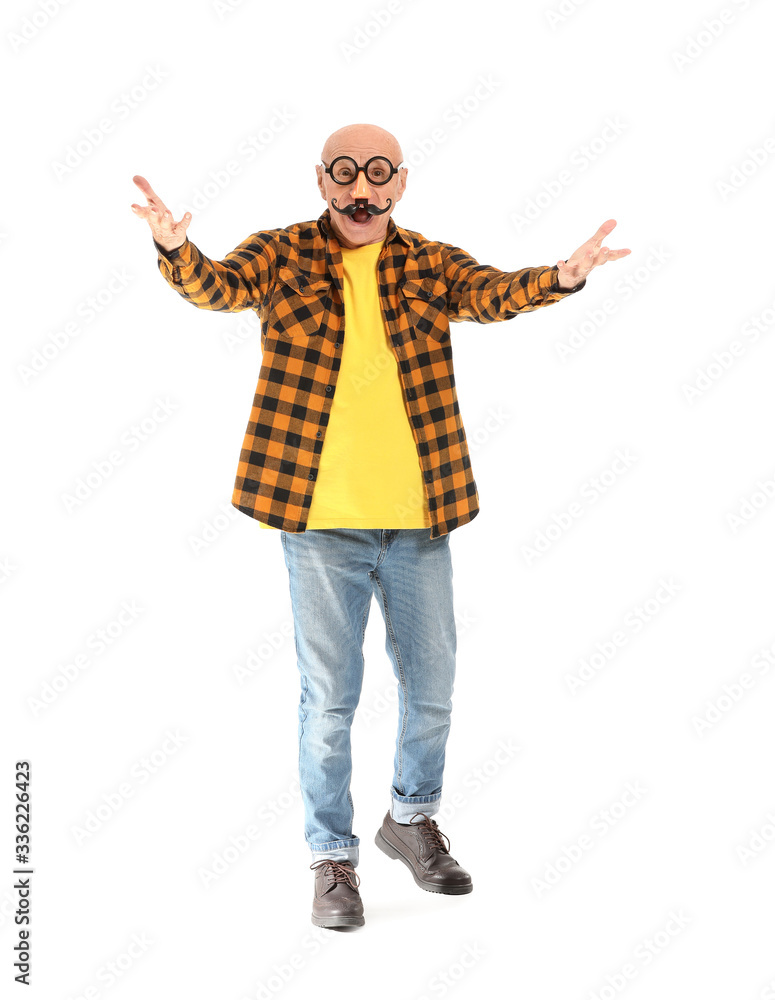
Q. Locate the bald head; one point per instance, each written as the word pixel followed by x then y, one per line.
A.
pixel 362 140
pixel 362 143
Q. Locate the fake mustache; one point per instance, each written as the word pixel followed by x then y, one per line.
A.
pixel 361 203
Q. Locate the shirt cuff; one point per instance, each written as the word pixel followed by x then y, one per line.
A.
pixel 180 255
pixel 555 286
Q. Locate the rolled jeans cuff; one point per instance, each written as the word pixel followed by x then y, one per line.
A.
pixel 403 807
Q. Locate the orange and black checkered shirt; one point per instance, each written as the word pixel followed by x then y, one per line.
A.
pixel 293 278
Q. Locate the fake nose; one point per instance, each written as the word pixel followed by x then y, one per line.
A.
pixel 362 189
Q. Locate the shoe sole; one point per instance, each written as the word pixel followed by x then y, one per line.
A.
pixel 341 921
pixel 448 890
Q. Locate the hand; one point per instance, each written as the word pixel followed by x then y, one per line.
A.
pixel 166 232
pixel 575 269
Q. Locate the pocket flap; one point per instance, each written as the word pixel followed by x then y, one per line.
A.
pixel 299 282
pixel 430 290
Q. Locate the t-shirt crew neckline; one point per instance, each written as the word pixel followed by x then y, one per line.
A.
pixel 369 246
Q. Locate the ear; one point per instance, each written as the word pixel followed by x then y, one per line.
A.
pixel 320 176
pixel 401 182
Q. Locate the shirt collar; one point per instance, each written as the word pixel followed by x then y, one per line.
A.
pixel 394 232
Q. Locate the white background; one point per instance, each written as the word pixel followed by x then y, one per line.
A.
pixel 688 176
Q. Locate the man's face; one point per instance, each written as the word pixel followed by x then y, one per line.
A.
pixel 349 232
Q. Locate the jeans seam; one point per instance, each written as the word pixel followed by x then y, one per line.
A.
pixel 402 680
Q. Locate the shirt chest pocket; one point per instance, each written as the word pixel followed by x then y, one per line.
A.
pixel 426 304
pixel 298 304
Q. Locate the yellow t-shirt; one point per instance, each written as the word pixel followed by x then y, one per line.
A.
pixel 370 474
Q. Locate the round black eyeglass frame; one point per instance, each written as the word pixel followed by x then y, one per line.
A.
pixel 364 168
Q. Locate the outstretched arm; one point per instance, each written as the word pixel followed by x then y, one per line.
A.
pixel 237 282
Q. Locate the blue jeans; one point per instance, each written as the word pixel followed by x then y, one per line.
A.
pixel 333 574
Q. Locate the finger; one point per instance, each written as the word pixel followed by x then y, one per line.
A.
pixel 150 194
pixel 148 212
pixel 602 232
pixel 175 228
pixel 156 221
pixel 171 229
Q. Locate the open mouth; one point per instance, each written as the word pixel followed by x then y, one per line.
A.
pixel 361 214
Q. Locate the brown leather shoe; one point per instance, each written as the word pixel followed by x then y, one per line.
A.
pixel 422 849
pixel 337 902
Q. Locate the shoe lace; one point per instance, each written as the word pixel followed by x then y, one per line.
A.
pixel 429 829
pixel 338 871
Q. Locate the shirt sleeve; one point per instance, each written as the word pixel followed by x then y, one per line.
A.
pixel 484 294
pixel 239 281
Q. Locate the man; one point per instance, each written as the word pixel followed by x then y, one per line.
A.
pixel 356 452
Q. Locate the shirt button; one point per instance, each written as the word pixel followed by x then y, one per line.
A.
pixel 319 434
pixel 329 388
pixel 311 475
pixel 337 344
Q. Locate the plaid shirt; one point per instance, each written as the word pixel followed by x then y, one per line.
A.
pixel 293 278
